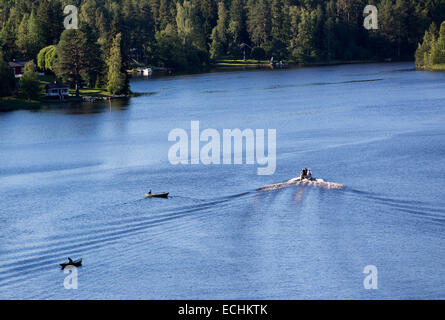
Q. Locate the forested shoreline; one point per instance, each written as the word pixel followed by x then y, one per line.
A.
pixel 190 35
pixel 430 53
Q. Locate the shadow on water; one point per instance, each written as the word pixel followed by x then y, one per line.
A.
pixel 322 83
pixel 38 257
pixel 96 107
pixel 78 108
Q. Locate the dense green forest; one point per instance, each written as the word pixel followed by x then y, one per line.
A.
pixel 189 35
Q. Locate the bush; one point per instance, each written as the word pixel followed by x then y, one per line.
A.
pixel 276 49
pixel 258 53
pixel 29 82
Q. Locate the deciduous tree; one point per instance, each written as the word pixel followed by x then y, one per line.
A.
pixel 115 77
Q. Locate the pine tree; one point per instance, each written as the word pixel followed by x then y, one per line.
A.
pixel 116 78
pixel 258 21
pixel 169 49
pixel 423 51
pixel 8 40
pixel 276 20
pixel 6 77
pixel 144 31
pixel 50 18
pixel 208 12
pixel 44 18
pixel 219 34
pixel 29 36
pixel 184 21
pixel 438 48
pixel 164 14
pixel 74 57
pixel 154 5
pixel 87 13
pixel 93 61
pixel 328 33
pixel 22 36
pixel 236 24
pixel 276 46
pixel 302 46
pixel 35 37
pixel 393 29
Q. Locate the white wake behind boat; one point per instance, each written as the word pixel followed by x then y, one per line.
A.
pixel 299 181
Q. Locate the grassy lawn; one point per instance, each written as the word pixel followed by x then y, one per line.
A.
pixel 227 63
pixel 94 92
pixel 436 67
pixel 14 103
pixel 224 63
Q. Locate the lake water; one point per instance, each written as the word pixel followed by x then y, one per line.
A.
pixel 73 179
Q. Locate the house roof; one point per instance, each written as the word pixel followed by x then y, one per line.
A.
pixel 15 64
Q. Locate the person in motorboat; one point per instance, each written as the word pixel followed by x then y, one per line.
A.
pixel 149 192
pixel 306 174
pixel 303 173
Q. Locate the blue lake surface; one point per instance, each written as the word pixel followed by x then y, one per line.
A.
pixel 73 179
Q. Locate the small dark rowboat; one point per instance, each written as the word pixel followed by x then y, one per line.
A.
pixel 158 195
pixel 76 263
